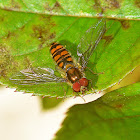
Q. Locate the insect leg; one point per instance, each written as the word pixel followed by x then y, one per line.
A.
pixel 77 95
pixel 93 72
pixel 91 85
pixel 64 91
pixel 82 97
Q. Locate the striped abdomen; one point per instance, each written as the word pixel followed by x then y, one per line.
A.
pixel 64 61
pixel 61 56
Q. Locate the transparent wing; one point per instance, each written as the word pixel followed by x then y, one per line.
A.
pixel 89 42
pixel 34 76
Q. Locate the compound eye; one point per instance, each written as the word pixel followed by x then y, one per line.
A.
pixel 76 87
pixel 83 82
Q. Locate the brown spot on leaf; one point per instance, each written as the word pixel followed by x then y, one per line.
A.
pixel 57 4
pixel 108 39
pixel 56 7
pixel 110 4
pixel 52 36
pixel 15 5
pixel 107 4
pixel 114 4
pixel 1 18
pixel 97 6
pixel 125 24
pixel 43 32
pixel 47 7
pixel 22 27
pixel 137 3
pixel 5 61
pixel 9 35
pixel 119 106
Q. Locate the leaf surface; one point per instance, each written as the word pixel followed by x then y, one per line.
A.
pixel 115 115
pixel 25 42
pixel 129 9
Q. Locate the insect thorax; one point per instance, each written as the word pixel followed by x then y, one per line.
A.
pixel 73 74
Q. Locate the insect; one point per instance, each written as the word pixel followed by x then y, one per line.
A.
pixel 65 61
pixel 74 73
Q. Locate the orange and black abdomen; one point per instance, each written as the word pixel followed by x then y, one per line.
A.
pixel 60 55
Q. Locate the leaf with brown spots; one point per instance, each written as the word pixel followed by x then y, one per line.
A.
pixel 124 9
pixel 125 24
pixel 27 39
pixel 137 3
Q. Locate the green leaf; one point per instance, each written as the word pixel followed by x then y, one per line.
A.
pixel 116 116
pixel 129 9
pixel 49 103
pixel 25 41
pixel 117 54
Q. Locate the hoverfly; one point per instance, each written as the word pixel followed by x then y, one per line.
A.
pixel 74 74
